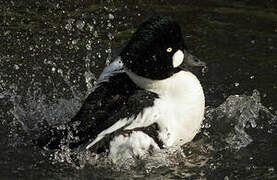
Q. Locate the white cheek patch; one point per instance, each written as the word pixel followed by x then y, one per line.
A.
pixel 177 58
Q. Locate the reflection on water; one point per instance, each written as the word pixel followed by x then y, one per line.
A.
pixel 52 53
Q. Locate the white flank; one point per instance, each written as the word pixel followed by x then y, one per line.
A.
pixel 179 109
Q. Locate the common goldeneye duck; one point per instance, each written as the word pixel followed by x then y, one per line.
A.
pixel 146 99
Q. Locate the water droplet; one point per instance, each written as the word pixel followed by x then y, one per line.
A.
pixel 75 41
pixel 226 178
pixel 53 69
pixel 108 51
pixel 90 78
pixel 92 63
pixel 68 27
pixel 212 166
pixel 236 84
pixel 60 71
pixel 111 17
pixel 6 33
pixel 88 47
pixel 108 61
pixel 110 36
pixel 90 27
pixel 80 24
pixel 95 34
pixel 70 21
pixel 58 42
pixel 252 77
pixel 253 41
pixel 271 169
pixel 207 125
pixel 16 67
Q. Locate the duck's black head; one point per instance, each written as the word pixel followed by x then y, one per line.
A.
pixel 157 49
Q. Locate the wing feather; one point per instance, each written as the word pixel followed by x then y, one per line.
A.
pixel 135 106
pixel 114 98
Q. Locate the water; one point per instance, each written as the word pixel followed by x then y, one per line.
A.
pixel 52 53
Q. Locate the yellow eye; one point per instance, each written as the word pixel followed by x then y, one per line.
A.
pixel 169 49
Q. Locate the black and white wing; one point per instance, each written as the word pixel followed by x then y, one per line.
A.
pixel 115 96
pixel 133 109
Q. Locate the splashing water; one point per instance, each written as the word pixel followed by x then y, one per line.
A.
pixel 65 59
pixel 228 122
pixel 48 88
pixel 225 127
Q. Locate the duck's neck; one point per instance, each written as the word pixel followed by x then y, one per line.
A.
pixel 183 82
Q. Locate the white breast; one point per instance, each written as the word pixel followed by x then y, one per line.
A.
pixel 180 109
